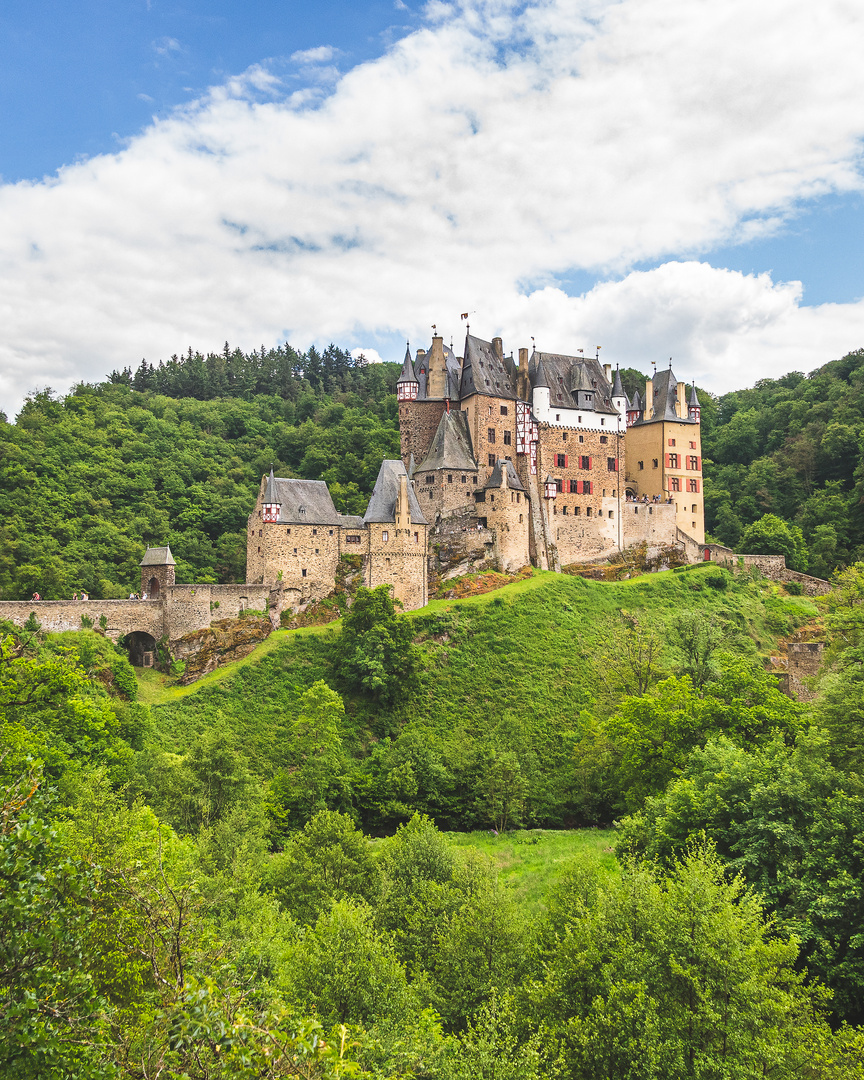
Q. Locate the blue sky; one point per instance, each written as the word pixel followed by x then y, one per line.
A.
pixel 663 180
pixel 78 77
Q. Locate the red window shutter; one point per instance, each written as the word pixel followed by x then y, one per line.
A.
pixel 579 486
pixel 668 463
pixel 616 464
pixel 698 463
pixel 696 482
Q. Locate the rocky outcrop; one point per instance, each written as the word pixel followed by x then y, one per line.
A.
pixel 228 639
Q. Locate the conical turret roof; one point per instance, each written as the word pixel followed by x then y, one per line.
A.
pixel 407 373
pixel 540 377
pixel 694 400
pixel 270 495
pixel 617 388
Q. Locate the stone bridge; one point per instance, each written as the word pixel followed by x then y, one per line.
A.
pixel 179 610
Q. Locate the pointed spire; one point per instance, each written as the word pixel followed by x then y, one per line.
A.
pixel 270 495
pixel 618 389
pixel 694 400
pixel 407 374
pixel 540 377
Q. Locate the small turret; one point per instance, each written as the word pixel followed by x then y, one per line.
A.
pixel 272 506
pixel 540 394
pixel 695 409
pixel 407 386
pixel 619 398
pixel 550 489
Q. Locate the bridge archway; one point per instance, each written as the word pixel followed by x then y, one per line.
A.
pixel 141 647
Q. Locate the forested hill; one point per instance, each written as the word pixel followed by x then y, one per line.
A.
pixel 87 480
pixel 790 448
pixel 174 453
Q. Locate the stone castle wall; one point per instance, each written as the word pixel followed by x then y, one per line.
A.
pixel 418 422
pixel 398 557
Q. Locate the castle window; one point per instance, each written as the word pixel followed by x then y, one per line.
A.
pixel 387 563
pixel 604 438
pixel 673 461
pixel 518 496
pixel 561 461
pixel 464 478
pixel 558 417
pixel 431 495
pixel 416 537
pixel 693 485
pixel 584 462
pixel 507 438
pixel 580 420
pixel 564 437
pixel 314 532
pixel 587 511
pixel 491 461
pixel 316 551
pixel 674 483
pixel 385 536
pixel 654 463
pixel 352 539
pixel 693 462
pixel 331 532
pixel 574 488
pixel 581 438
pixel 259 550
pixel 641 464
pixel 491 434
pixel 260 532
pixel 474 478
pixel 611 514
pixel 671 442
pixel 692 445
pixel 603 421
pixel 563 509
pixel 559 484
pixel 449 478
pixel 503 410
pixel 577 510
pixel 303 572
pixel 600 513
pixel 587 487
pixel 520 519
pixel 489 410
pixel 430 479
pixel 612 464
pixel 693 509
pixel 295 551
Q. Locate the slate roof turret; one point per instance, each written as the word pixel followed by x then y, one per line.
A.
pixel 483 372
pixel 496 478
pixel 618 388
pixel 407 374
pixel 694 398
pixel 451 445
pixel 301 502
pixel 665 398
pixel 382 505
pixel 158 556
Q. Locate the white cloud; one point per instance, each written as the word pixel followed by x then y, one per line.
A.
pixel 166 45
pixel 372 356
pixel 322 54
pixel 486 152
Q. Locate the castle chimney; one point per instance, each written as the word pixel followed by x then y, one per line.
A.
pixel 681 405
pixel 436 379
pixel 607 371
pixel 498 346
pixel 523 360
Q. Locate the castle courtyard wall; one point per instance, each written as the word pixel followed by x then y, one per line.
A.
pixel 398 557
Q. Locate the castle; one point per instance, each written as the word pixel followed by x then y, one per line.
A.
pixel 503 464
pixel 545 461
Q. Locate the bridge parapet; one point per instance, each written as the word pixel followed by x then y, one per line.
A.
pixel 121 616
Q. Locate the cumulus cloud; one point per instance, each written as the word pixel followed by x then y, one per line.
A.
pixel 322 54
pixel 493 148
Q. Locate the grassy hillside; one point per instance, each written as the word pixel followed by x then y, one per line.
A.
pixel 514 670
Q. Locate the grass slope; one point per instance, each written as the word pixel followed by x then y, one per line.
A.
pixel 519 657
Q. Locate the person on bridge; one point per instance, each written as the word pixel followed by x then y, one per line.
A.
pixel 36 596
